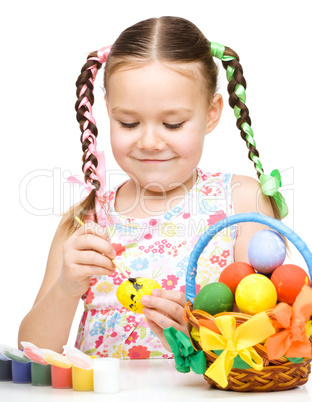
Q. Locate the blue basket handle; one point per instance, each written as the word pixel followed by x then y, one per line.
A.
pixel 190 289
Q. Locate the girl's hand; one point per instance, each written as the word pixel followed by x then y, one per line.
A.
pixel 86 252
pixel 164 308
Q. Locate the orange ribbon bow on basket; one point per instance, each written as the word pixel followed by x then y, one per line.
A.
pixel 291 339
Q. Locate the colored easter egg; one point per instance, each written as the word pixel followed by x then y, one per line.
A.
pixel 214 298
pixel 288 280
pixel 129 292
pixel 234 273
pixel 255 293
pixel 266 251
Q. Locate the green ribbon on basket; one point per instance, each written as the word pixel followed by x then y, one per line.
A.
pixel 185 355
pixel 270 185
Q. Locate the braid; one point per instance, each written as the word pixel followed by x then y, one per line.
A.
pixel 237 99
pixel 86 121
pixel 89 132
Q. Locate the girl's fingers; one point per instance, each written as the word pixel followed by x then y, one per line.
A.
pixel 172 295
pixel 159 332
pixel 92 270
pixel 154 327
pixel 89 257
pixel 92 242
pixel 161 320
pixel 171 306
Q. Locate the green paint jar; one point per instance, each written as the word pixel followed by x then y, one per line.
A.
pixel 40 374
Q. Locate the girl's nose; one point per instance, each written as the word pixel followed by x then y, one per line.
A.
pixel 150 139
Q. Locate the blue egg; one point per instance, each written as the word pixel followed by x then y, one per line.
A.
pixel 266 251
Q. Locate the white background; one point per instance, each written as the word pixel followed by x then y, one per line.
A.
pixel 43 47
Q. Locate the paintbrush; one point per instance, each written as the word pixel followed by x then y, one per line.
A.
pixel 116 263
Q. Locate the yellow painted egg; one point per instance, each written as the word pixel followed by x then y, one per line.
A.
pixel 129 292
pixel 255 293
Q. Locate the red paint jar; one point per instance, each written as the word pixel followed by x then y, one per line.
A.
pixel 61 377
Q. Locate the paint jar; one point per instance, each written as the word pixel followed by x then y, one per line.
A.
pixel 21 372
pixel 61 377
pixel 40 374
pixel 5 370
pixel 106 375
pixel 82 379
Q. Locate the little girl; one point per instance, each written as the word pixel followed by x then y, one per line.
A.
pixel 160 92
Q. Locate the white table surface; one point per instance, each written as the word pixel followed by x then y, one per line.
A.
pixel 152 380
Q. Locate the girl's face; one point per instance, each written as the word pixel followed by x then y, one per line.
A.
pixel 158 122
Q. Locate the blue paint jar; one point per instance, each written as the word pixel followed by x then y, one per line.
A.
pixel 21 372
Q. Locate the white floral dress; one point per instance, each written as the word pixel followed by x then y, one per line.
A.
pixel 157 248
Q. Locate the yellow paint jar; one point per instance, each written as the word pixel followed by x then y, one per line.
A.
pixel 82 379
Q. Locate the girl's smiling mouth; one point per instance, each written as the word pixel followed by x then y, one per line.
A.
pixel 149 161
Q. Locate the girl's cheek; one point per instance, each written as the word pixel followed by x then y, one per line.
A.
pixel 117 138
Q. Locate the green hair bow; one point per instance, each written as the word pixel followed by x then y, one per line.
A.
pixel 270 185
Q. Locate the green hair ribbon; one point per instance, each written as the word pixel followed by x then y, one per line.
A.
pixel 185 355
pixel 217 50
pixel 269 184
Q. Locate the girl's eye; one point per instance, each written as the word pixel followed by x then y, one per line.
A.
pixel 174 126
pixel 133 125
pixel 127 125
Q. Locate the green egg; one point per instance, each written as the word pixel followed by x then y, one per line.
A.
pixel 214 298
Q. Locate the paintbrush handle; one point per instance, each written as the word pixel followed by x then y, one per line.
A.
pixel 120 268
pixel 114 261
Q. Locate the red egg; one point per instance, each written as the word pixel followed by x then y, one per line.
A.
pixel 288 280
pixel 234 273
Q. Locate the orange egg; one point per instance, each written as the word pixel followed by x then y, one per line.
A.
pixel 288 280
pixel 234 273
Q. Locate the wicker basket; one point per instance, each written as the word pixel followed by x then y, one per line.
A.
pixel 276 375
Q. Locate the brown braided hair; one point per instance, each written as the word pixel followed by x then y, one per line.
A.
pixel 85 100
pixel 85 79
pixel 170 40
pixel 236 102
